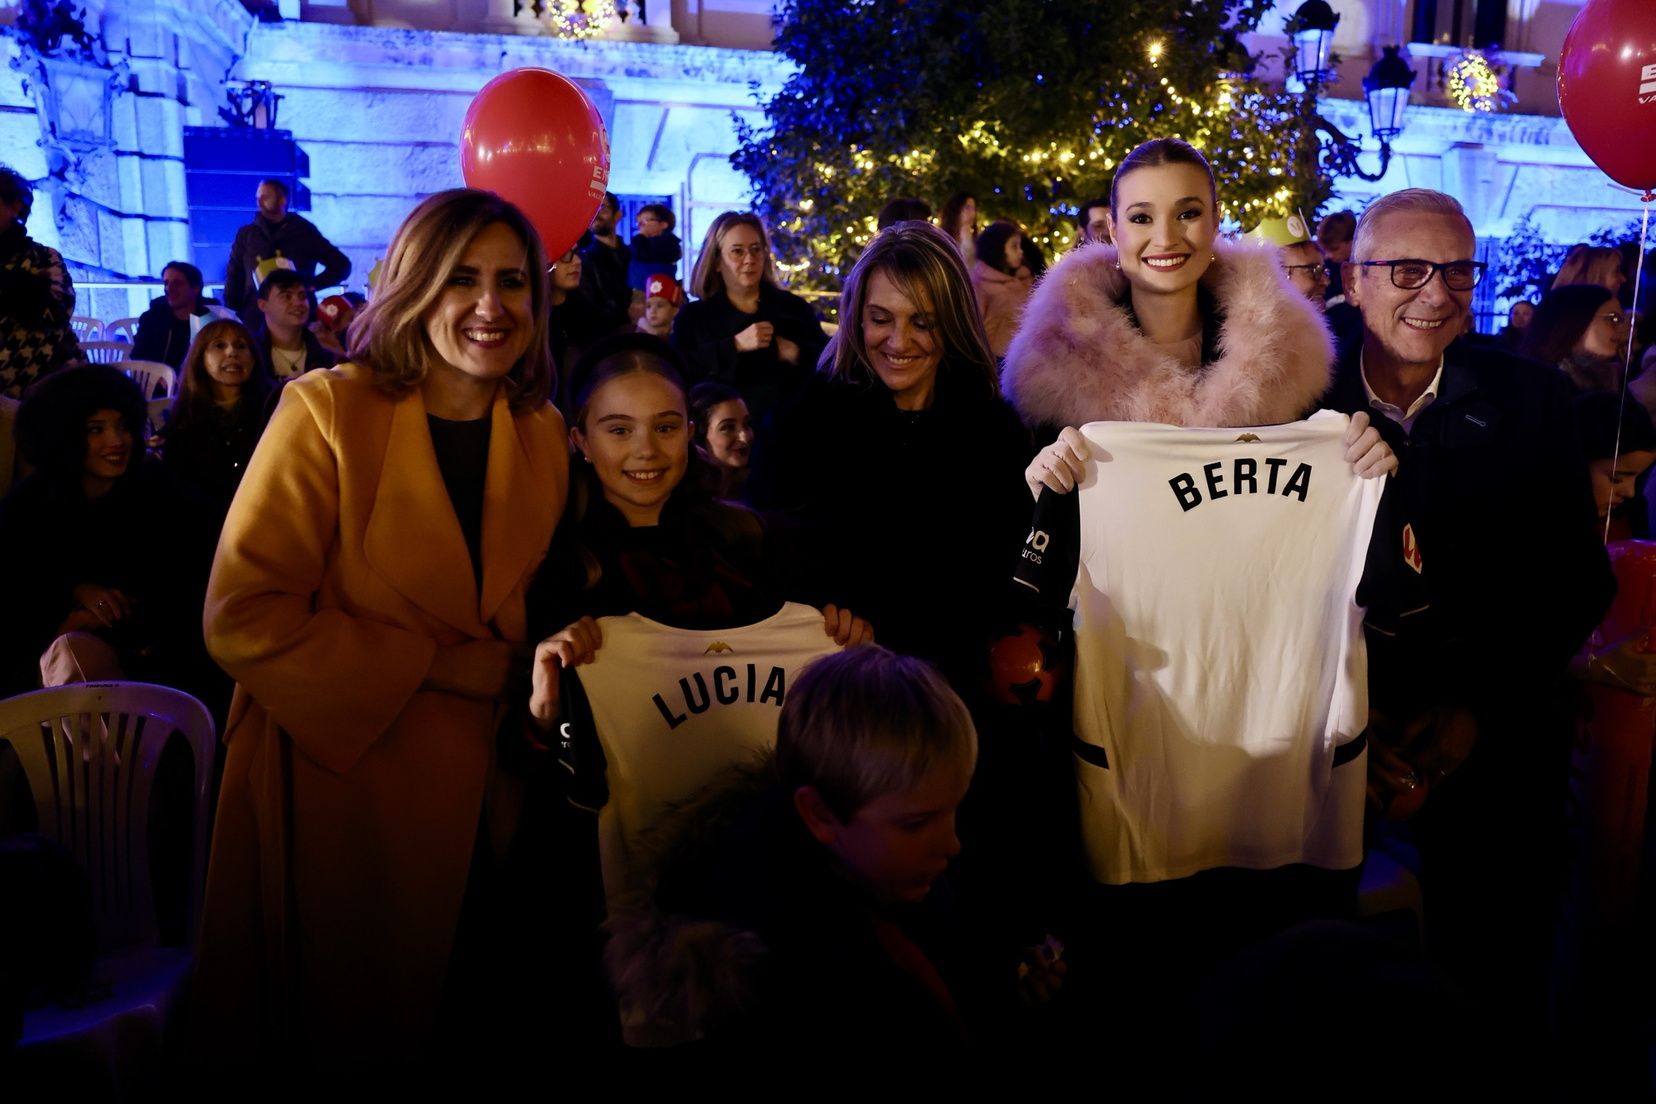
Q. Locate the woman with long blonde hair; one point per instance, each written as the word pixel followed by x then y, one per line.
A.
pixel 368 599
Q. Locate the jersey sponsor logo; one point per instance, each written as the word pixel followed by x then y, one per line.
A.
pixel 718 646
pixel 1035 545
pixel 697 693
pixel 1245 479
pixel 1411 548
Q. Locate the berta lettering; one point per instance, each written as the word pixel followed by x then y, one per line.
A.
pixel 1244 478
pixel 729 686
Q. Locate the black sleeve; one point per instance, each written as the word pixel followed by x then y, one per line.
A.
pixel 797 321
pixel 235 276
pixel 335 266
pixel 578 748
pixel 1046 568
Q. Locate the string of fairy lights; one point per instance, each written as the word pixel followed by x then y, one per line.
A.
pixel 1246 132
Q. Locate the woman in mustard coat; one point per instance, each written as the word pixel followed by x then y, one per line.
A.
pixel 368 598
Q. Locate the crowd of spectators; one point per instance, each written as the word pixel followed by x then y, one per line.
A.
pixel 386 540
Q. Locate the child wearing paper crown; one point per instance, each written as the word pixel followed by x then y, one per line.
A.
pixel 662 298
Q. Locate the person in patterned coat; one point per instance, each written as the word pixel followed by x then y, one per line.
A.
pixel 37 296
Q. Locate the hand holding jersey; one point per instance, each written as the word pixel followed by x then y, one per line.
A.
pixel 576 644
pixel 1062 464
pixel 579 642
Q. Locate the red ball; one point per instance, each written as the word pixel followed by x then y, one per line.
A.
pixel 1025 666
pixel 531 136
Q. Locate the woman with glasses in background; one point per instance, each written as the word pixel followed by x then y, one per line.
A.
pixel 744 330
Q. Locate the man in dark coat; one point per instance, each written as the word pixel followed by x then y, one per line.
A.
pixel 605 259
pixel 1490 579
pixel 277 232
pixel 174 317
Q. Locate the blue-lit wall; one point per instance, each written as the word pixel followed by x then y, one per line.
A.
pixel 378 111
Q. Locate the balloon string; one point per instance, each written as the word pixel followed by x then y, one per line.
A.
pixel 1627 358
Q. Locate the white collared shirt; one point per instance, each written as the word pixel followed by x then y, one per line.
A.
pixel 1404 418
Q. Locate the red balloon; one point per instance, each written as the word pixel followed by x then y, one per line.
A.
pixel 533 137
pixel 1607 88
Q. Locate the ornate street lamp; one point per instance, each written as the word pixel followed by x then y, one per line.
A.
pixel 1311 29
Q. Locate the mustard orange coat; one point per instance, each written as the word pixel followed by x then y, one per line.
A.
pixel 352 793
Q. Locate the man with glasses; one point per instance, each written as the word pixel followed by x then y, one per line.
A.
pixel 1485 578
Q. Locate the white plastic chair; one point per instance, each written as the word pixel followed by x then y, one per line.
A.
pixel 158 415
pixel 122 329
pixel 151 376
pixel 90 753
pixel 104 352
pixel 86 328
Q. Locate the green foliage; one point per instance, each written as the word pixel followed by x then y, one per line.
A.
pixel 1026 104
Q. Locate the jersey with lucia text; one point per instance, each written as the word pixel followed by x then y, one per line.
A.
pixel 673 708
pixel 1220 680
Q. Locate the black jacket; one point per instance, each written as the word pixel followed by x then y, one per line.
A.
pixel 296 238
pixel 604 276
pixel 210 451
pixel 705 332
pixel 163 337
pixel 1494 487
pixel 916 518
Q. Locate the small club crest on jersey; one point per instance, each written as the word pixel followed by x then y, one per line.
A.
pixel 1411 548
pixel 717 647
pixel 1247 438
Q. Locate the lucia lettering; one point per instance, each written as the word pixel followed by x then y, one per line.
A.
pixel 1245 479
pixel 729 685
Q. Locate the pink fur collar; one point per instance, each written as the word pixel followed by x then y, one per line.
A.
pixel 1078 358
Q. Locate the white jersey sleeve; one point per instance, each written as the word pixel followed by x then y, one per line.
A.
pixel 1220 663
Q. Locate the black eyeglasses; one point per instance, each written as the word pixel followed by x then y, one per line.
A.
pixel 1411 274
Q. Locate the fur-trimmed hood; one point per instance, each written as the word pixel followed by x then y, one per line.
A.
pixel 1079 358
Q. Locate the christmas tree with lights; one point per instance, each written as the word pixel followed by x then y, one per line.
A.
pixel 1026 104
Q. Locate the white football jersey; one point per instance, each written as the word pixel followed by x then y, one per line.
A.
pixel 1220 661
pixel 672 708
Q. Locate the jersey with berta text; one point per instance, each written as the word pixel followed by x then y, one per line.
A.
pixel 672 708
pixel 1221 686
